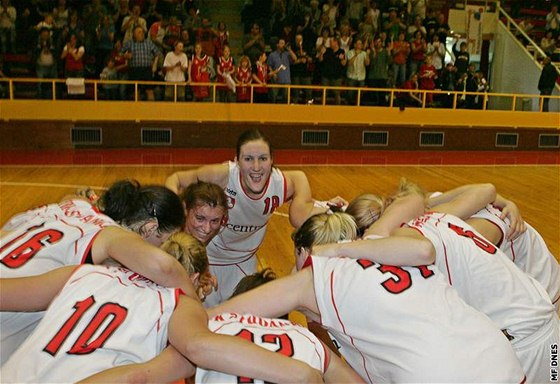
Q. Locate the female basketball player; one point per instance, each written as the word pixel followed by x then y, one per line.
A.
pixel 101 316
pixel 394 324
pixel 75 232
pixel 255 189
pixel 482 275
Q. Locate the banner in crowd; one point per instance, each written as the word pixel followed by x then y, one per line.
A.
pixel 474 16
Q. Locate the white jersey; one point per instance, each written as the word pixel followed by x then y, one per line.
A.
pixel 406 324
pixel 529 252
pixel 277 335
pixel 244 232
pixel 487 280
pixel 103 317
pixel 38 241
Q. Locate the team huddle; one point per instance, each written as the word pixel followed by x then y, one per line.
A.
pixel 160 284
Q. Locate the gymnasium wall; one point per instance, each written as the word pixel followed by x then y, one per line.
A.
pixel 27 124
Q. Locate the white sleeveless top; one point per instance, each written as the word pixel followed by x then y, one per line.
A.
pixel 484 277
pixel 528 251
pixel 38 241
pixel 244 232
pixel 277 335
pixel 406 324
pixel 102 318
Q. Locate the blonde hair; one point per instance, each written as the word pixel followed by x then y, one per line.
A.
pixel 366 209
pixel 189 251
pixel 325 229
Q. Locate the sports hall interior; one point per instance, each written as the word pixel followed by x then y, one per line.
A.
pixel 51 147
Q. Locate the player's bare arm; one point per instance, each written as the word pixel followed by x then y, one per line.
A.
pixel 136 254
pixel 201 346
pixel 214 173
pixel 33 293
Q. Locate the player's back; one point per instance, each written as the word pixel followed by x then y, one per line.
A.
pixel 103 317
pixel 484 277
pixel 38 241
pixel 529 252
pixel 406 324
pixel 276 335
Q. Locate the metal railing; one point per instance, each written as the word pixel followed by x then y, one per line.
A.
pixel 27 89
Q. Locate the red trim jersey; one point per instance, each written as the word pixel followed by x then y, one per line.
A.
pixel 244 231
pixel 102 318
pixel 276 335
pixel 38 241
pixel 488 281
pixel 529 252
pixel 406 324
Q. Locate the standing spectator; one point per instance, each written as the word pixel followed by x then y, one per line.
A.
pixel 442 28
pixel 206 35
pixel 394 26
pixel 279 62
pixel 261 76
pixel 346 38
pixel 130 23
pixel 324 40
pixel 400 52
pixel 355 12
pixel 378 74
pixel 428 76
pixel 448 81
pixel 225 71
pixel 157 33
pixel 462 57
pixel 105 40
pixel 418 49
pixel 110 73
pixel 8 16
pixel 121 12
pixel 415 27
pixel 253 43
pixel 372 15
pixel 547 82
pixel 302 71
pixel 61 14
pixel 74 27
pixel 333 67
pixel 222 38
pixel 243 78
pixel 142 57
pixel 436 50
pixel 331 9
pixel 418 8
pixel 121 66
pixel 553 21
pixel 357 60
pixel 45 62
pixel 73 54
pixel 175 65
pixel 430 21
pixel 200 72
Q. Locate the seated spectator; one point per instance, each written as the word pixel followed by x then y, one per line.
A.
pixel 410 98
pixel 553 21
pixel 548 45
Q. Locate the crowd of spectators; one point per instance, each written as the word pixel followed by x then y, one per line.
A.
pixel 353 43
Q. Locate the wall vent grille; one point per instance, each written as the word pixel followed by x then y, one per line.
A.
pixel 315 137
pixel 509 140
pixel 547 140
pixel 431 139
pixel 375 138
pixel 86 135
pixel 156 136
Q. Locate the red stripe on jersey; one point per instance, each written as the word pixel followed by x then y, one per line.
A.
pixel 88 250
pixel 344 328
pixel 316 341
pixel 447 265
pixel 285 188
pixel 512 251
pixel 160 310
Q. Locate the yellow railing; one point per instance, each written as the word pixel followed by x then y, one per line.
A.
pixel 26 88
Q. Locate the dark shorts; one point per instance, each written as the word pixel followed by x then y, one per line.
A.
pixel 142 74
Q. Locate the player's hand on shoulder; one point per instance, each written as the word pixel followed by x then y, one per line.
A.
pixel 517 224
